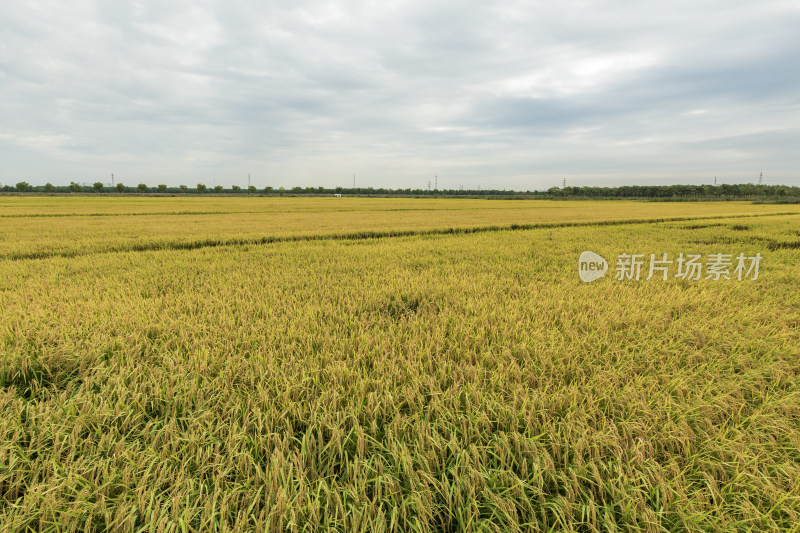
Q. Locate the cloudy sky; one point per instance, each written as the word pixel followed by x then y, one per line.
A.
pixel 506 94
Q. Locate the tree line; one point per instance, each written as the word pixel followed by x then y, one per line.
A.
pixel 656 192
pixel 726 190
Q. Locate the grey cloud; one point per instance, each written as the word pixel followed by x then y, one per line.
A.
pixel 308 92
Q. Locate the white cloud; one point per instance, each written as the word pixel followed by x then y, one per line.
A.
pixel 511 93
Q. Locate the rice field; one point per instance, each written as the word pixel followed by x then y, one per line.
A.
pixel 284 364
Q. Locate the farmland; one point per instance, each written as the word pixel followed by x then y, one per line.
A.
pixel 283 364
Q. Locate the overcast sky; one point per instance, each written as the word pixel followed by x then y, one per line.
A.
pixel 505 94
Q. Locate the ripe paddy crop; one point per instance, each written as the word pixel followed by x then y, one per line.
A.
pixel 424 382
pixel 42 227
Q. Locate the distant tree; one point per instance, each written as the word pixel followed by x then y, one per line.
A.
pixel 267 189
pixel 74 187
pixel 162 188
pixel 251 188
pixel 218 188
pixel 142 187
pixel 201 187
pixel 23 186
pixel 48 187
pixel 236 188
pixel 339 190
pixel 183 188
pixel 97 186
pixel 120 187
